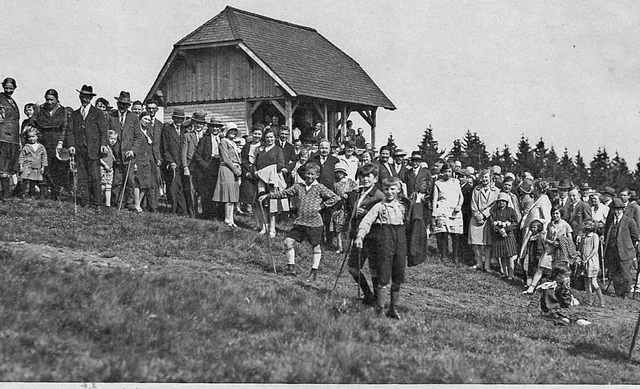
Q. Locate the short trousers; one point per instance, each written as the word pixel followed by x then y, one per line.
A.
pixel 300 233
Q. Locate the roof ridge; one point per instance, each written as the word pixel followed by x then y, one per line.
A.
pixel 233 22
pixel 269 19
pixel 198 29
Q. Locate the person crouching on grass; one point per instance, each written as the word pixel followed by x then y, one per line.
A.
pixel 368 196
pixel 312 198
pixel 391 243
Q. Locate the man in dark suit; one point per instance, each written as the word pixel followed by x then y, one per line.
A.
pixel 288 151
pixel 155 130
pixel 631 209
pixel 621 239
pixel 207 159
pixel 327 164
pixel 578 211
pixel 398 167
pixel 87 141
pixel 170 152
pixel 126 124
pixel 418 179
pixel 562 202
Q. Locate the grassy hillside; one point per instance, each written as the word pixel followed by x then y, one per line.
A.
pixel 156 298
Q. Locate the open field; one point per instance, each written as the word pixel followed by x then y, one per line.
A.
pixel 155 298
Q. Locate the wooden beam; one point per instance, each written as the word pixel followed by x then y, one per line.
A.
pixel 366 116
pixel 321 111
pixel 279 107
pixel 254 107
pixel 270 72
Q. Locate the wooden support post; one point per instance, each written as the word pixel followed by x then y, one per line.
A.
pixel 288 117
pixel 325 126
pixel 373 126
pixel 343 127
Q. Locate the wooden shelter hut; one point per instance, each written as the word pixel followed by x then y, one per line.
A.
pixel 245 67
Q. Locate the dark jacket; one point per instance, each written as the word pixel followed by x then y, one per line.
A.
pixel 581 212
pixel 90 134
pixel 626 237
pixel 129 135
pixel 171 147
pixel 288 152
pixel 326 171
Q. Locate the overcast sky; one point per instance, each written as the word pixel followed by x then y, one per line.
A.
pixel 565 71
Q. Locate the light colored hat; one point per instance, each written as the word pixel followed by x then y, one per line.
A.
pixel 496 169
pixel 230 126
pixel 513 177
pixel 340 167
pixel 528 175
pixel 503 197
pixel 471 170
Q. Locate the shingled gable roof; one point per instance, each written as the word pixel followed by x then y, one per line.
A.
pixel 302 58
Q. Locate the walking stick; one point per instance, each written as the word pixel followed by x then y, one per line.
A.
pixel 353 213
pixel 72 166
pixel 359 272
pixel 264 217
pixel 124 185
pixel 635 337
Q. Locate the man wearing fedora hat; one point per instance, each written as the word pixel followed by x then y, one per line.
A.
pixel 171 152
pixel 192 180
pixel 127 125
pixel 562 202
pixel 621 239
pixel 87 140
pixel 207 159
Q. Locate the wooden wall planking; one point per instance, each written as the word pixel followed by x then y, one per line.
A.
pixel 229 112
pixel 217 74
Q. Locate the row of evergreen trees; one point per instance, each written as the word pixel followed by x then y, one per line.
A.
pixel 539 160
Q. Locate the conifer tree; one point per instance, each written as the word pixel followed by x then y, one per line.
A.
pixel 525 158
pixel 599 167
pixel 475 150
pixel 580 173
pixel 429 148
pixel 507 160
pixel 391 144
pixel 551 166
pixel 566 166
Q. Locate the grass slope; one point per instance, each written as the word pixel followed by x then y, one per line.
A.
pixel 197 302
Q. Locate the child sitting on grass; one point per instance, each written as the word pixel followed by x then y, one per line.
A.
pixel 32 161
pixel 556 299
pixel 391 243
pixel 312 198
pixel 589 245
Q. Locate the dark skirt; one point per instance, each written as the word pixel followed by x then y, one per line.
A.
pixel 248 190
pixel 504 247
pixel 9 154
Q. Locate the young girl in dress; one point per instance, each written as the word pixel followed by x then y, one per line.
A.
pixel 106 168
pixel 504 221
pixel 540 257
pixel 557 230
pixel 339 218
pixel 32 161
pixel 589 245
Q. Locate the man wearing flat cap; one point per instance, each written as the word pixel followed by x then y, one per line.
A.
pixel 621 240
pixel 127 125
pixel 87 140
pixel 171 152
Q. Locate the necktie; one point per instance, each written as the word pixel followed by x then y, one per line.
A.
pixel 121 121
pixel 84 112
pixel 570 210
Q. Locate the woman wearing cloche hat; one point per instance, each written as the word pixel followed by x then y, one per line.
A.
pixel 503 222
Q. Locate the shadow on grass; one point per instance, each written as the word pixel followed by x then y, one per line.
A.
pixel 596 351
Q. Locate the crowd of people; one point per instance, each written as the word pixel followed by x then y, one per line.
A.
pixel 378 207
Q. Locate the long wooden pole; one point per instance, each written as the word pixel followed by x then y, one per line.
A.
pixel 635 337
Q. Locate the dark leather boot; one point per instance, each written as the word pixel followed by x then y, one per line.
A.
pixel 392 312
pixel 383 293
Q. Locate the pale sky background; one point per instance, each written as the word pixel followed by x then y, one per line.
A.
pixel 565 71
